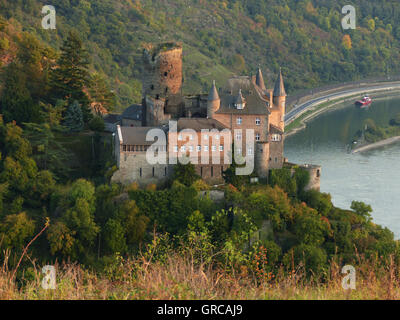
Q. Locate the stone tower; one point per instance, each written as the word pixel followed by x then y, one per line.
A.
pixel 262 159
pixel 162 81
pixel 213 101
pixel 279 103
pixel 163 70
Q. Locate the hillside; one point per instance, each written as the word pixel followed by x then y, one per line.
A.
pixel 224 37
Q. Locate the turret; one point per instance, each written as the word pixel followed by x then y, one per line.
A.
pixel 279 102
pixel 213 101
pixel 260 80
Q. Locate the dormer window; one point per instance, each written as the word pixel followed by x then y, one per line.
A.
pixel 240 102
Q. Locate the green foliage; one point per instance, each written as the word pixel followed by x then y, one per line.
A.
pixel 312 258
pixel 74 118
pixel 71 76
pixel 97 124
pixel 15 230
pixel 185 173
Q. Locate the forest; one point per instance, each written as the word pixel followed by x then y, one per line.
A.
pixel 222 38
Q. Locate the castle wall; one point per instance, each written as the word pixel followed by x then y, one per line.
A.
pixel 133 167
pixel 276 158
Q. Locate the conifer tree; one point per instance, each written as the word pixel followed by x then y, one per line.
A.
pixel 71 77
pixel 74 117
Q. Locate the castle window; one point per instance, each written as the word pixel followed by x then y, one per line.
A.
pixel 154 172
pixel 258 137
pixel 157 96
pixel 276 159
pixel 198 148
pixel 250 151
pixel 191 148
pixel 258 121
pixel 180 138
pixel 221 148
pixel 165 74
pixel 239 120
pixel 238 136
pixel 318 173
pixel 239 150
pixel 183 148
pixel 276 137
pixel 191 137
pixel 217 137
pixel 206 148
pixel 214 148
pixel 124 147
pixel 206 137
pixel 175 148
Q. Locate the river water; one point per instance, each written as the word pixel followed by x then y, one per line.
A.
pixel 372 176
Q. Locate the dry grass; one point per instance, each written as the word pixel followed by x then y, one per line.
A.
pixel 179 278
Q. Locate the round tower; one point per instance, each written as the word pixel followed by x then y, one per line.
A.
pixel 261 159
pixel 213 101
pixel 162 70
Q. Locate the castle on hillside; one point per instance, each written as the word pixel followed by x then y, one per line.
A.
pixel 243 107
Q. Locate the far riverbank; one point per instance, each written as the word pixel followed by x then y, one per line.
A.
pixel 375 145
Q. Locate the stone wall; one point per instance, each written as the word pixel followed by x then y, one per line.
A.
pixel 163 70
pixel 133 167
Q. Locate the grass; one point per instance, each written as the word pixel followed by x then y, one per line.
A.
pixel 179 278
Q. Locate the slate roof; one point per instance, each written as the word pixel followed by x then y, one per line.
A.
pixel 279 90
pixel 255 103
pixel 134 112
pixel 197 124
pixel 112 118
pixel 136 135
pixel 213 93
pixel 260 80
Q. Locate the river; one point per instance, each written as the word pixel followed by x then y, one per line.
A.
pixel 372 176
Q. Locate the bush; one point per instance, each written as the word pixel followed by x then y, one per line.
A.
pixel 97 124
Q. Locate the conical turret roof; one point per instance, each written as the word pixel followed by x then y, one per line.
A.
pixel 213 95
pixel 260 80
pixel 279 90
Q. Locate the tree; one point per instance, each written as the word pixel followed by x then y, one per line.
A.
pixel 100 93
pixel 16 101
pixel 97 124
pixel 185 173
pixel 362 209
pixel 15 230
pixel 48 153
pixel 371 24
pixel 114 237
pixel 74 118
pixel 346 42
pixel 71 77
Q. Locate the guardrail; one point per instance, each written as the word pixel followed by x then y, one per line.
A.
pixel 305 95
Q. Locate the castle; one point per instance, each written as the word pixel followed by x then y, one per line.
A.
pixel 244 103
